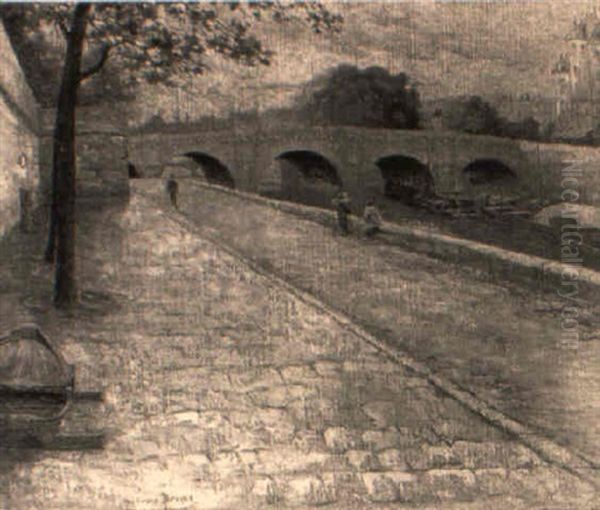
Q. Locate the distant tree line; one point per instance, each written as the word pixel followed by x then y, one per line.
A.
pixel 475 116
pixel 373 97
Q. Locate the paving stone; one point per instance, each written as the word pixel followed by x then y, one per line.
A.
pixel 227 464
pixel 282 432
pixel 276 493
pixel 518 456
pixel 363 460
pixel 299 373
pixel 256 378
pixel 249 439
pixel 357 368
pixel 260 486
pixel 276 397
pixel 310 490
pixel 393 459
pixel 381 488
pixel 242 418
pixel 389 438
pixel 189 418
pixel 328 368
pixel 339 439
pixel 147 449
pixel 491 482
pixel 287 459
pixel 384 487
pixel 382 413
pixel 442 456
pixel 536 483
pixel 430 457
pixel 451 484
pixel 347 483
pixel 308 440
pixel 314 413
pixel 302 392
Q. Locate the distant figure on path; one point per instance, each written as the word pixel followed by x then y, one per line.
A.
pixel 372 218
pixel 132 171
pixel 341 201
pixel 173 191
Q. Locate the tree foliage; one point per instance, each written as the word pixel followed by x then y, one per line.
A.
pixel 528 129
pixel 372 97
pixel 153 42
pixel 41 53
pixel 473 115
pixel 476 116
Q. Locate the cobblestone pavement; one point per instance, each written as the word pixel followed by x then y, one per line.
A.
pixel 225 392
pixel 503 342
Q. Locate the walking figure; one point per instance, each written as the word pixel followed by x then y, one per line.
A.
pixel 372 218
pixel 132 171
pixel 173 190
pixel 341 201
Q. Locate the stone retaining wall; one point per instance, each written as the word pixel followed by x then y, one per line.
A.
pixel 19 169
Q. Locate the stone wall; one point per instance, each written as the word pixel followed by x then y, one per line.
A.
pixel 19 169
pixel 101 149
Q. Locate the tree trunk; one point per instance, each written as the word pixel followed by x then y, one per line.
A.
pixel 65 286
pixel 50 253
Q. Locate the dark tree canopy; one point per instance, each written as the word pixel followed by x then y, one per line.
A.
pixel 472 115
pixel 372 97
pixel 528 128
pixel 41 54
pixel 476 116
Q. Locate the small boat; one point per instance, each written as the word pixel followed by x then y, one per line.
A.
pixel 37 393
pixel 36 383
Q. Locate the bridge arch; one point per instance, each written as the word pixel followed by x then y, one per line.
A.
pixel 312 165
pixel 307 176
pixel 487 171
pixel 405 177
pixel 213 169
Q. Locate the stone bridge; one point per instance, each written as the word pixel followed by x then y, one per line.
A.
pixel 306 164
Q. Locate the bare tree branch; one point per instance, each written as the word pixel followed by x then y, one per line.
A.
pixel 62 25
pixel 90 71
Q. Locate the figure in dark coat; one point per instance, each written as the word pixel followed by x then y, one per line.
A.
pixel 372 219
pixel 173 191
pixel 341 201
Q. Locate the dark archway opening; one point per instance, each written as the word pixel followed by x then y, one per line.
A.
pixel 406 179
pixel 214 171
pixel 308 177
pixel 488 171
pixel 312 166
